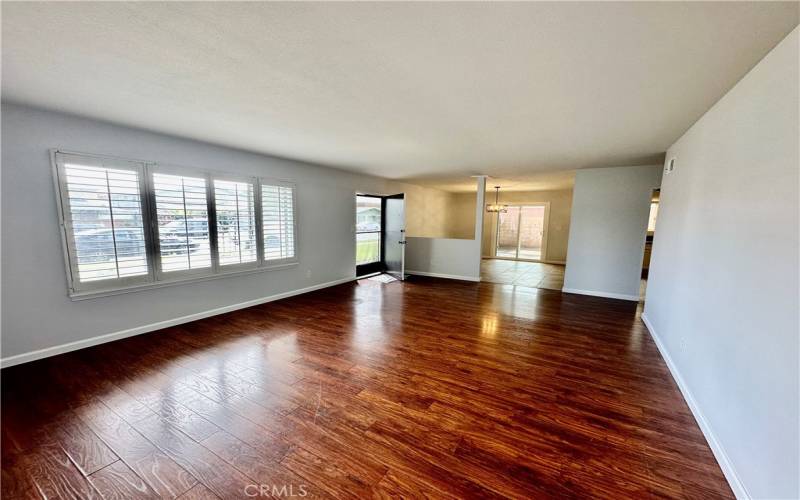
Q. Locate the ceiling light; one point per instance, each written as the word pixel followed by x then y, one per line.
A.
pixel 496 206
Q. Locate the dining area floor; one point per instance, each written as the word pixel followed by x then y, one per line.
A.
pixel 523 273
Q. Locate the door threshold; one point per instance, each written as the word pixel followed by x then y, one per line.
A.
pixel 512 259
pixel 369 275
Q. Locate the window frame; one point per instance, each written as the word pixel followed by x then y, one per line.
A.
pixel 253 181
pixel 68 231
pixel 273 263
pixel 156 277
pixel 162 275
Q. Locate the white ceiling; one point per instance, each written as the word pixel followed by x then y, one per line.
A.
pixel 537 181
pixel 402 90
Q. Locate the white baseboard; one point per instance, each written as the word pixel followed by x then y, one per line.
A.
pixel 109 337
pixel 716 447
pixel 607 295
pixel 446 276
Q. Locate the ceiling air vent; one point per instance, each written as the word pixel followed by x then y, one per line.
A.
pixel 670 166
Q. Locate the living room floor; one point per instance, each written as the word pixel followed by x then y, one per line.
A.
pixel 423 388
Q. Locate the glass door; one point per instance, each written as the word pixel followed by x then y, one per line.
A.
pixel 531 232
pixel 520 233
pixel 394 244
pixel 507 240
pixel 369 226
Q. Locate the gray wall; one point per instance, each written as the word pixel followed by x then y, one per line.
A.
pixel 36 312
pixel 610 208
pixel 722 295
pixel 446 257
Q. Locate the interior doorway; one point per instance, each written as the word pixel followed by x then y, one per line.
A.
pixel 521 232
pixel 648 242
pixel 380 235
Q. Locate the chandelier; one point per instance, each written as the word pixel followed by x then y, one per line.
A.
pixel 496 207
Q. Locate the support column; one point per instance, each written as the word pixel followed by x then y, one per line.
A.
pixel 480 210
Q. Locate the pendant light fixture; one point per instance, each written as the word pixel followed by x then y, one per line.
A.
pixel 497 207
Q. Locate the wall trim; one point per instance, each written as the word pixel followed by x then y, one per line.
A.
pixel 130 332
pixel 446 276
pixel 716 447
pixel 607 295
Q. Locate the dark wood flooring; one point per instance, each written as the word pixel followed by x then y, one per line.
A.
pixel 428 388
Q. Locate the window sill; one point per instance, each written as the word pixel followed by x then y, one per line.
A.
pixel 92 294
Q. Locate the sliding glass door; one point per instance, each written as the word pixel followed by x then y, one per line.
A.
pixel 521 232
pixel 507 241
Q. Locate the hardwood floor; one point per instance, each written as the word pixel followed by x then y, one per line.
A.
pixel 430 388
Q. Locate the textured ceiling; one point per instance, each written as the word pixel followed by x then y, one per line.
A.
pixel 400 90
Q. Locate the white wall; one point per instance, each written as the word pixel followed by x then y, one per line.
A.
pixel 722 296
pixel 610 208
pixel 36 311
pixel 444 257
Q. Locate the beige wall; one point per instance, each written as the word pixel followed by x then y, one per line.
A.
pixel 433 213
pixel 463 218
pixel 427 211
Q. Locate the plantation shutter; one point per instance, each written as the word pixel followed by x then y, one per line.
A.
pixel 236 222
pixel 278 216
pixel 182 216
pixel 103 220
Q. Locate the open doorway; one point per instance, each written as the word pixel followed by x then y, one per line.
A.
pixel 369 232
pixel 648 242
pixel 519 249
pixel 380 235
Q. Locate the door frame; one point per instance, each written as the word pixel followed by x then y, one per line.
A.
pixel 545 231
pixel 378 266
pixel 402 274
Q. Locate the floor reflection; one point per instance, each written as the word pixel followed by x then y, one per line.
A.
pixel 441 386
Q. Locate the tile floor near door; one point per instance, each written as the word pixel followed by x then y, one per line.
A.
pixel 520 273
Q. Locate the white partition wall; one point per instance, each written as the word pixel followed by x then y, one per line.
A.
pixel 610 209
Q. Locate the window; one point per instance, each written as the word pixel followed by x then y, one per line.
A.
pixel 182 213
pixel 135 224
pixel 277 207
pixel 236 222
pixel 104 219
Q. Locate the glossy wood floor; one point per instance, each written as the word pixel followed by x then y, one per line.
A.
pixel 428 388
